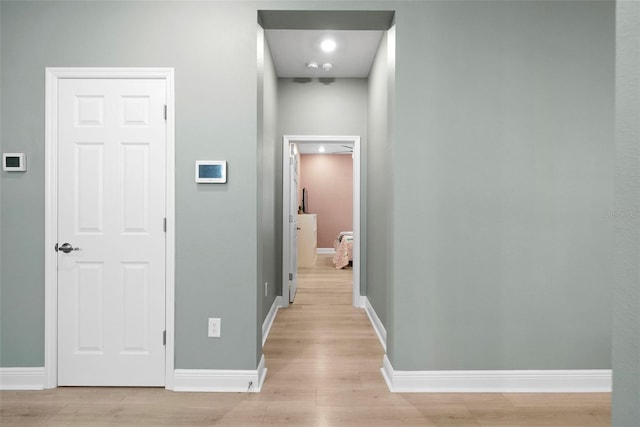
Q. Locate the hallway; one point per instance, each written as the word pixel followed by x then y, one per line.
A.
pixel 324 364
pixel 322 347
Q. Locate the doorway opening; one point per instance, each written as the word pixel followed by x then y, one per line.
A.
pixel 292 205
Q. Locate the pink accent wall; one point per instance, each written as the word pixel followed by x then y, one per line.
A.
pixel 328 179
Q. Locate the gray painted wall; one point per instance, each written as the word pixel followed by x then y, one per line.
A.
pixel 268 217
pixel 503 185
pixel 2 150
pixel 379 231
pixel 503 180
pixel 314 107
pixel 212 46
pixel 626 320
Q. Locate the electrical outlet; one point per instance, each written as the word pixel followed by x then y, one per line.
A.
pixel 214 327
pixel 266 287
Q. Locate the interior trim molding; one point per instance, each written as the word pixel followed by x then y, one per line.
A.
pixel 284 302
pixel 220 380
pixel 22 378
pixel 329 251
pixel 271 317
pixel 503 381
pixel 378 327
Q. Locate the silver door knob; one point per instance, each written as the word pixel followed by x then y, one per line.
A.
pixel 66 248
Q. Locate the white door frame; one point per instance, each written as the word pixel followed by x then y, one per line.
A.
pixel 357 300
pixel 52 79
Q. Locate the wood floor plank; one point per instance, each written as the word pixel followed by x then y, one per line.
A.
pixel 324 362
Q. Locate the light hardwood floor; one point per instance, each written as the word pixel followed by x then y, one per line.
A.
pixel 324 370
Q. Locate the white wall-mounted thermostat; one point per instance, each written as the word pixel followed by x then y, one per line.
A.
pixel 211 171
pixel 14 162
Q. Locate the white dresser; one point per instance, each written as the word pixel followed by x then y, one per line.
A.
pixel 307 239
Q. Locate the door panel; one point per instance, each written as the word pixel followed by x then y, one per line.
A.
pixel 89 195
pixel 87 290
pixel 135 288
pixel 111 207
pixel 134 182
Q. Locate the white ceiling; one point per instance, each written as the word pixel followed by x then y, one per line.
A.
pixel 293 49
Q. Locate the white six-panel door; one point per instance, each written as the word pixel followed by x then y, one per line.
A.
pixel 111 210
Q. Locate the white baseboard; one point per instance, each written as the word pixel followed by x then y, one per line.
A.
pixel 525 381
pixel 381 331
pixel 330 251
pixel 271 316
pixel 21 378
pixel 220 380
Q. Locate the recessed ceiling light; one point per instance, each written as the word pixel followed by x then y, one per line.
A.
pixel 321 149
pixel 327 66
pixel 328 45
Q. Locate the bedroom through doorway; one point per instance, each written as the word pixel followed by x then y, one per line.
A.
pixel 321 217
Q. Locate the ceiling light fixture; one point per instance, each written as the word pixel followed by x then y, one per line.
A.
pixel 312 66
pixel 321 149
pixel 328 45
pixel 327 66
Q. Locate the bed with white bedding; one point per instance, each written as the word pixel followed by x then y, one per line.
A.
pixel 344 249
